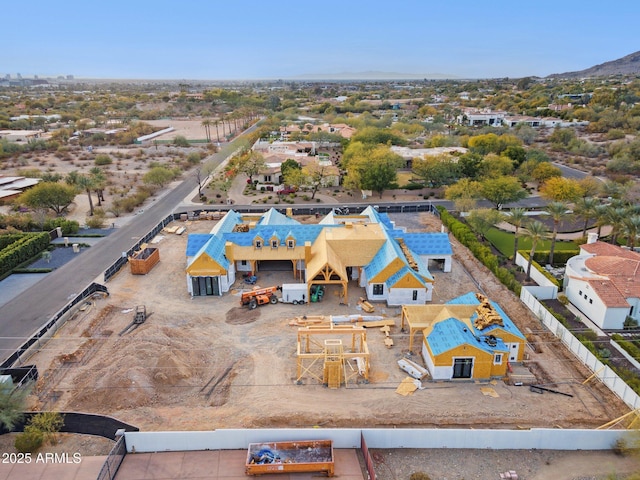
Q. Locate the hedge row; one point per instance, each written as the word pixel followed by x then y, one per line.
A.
pixel 538 267
pixel 6 240
pixel 560 257
pixel 483 253
pixel 630 347
pixel 22 250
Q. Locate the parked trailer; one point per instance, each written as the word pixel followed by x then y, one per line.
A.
pixel 289 457
pixel 295 293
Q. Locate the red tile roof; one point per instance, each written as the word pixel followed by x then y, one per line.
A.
pixel 620 269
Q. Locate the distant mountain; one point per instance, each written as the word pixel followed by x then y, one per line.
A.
pixel 629 65
pixel 373 76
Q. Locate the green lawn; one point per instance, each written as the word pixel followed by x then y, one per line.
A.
pixel 503 241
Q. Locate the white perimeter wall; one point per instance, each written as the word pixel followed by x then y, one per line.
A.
pixel 538 277
pixel 549 439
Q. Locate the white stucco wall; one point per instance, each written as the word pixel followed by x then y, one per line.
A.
pixel 404 296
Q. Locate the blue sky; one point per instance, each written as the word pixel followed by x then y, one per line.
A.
pixel 260 39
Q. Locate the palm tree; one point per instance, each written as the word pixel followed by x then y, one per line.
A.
pixel 632 230
pixel 601 217
pixel 217 122
pixel 206 123
pixel 616 216
pixel 517 217
pixel 557 211
pixel 87 184
pixel 535 231
pixel 586 208
pixel 99 182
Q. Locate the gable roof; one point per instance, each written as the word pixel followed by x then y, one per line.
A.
pixel 214 248
pixel 195 241
pixel 274 217
pixel 227 223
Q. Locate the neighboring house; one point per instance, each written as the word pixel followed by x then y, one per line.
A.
pixel 339 249
pixel 20 136
pixel 12 187
pixel 469 337
pixel 344 130
pixel 409 154
pixel 474 117
pixel 603 282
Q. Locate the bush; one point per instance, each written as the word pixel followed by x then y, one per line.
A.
pixel 419 476
pixel 180 141
pixel 30 440
pixel 49 424
pixel 103 159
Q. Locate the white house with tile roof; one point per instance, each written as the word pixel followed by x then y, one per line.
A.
pixel 603 282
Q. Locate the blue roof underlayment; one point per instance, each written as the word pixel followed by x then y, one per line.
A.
pixel 195 241
pixel 451 333
pixel 471 299
pixel 428 243
pixel 301 233
pixel 215 249
pixel 274 217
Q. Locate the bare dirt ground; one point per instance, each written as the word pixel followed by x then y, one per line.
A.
pixel 206 363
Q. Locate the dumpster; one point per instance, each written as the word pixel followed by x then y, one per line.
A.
pixel 288 457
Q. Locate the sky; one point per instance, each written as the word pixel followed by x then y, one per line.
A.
pixel 261 39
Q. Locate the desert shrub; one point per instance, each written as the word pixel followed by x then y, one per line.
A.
pixel 180 141
pixel 49 424
pixel 103 159
pixel 419 476
pixel 29 440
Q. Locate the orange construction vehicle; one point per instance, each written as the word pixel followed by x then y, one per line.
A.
pixel 259 296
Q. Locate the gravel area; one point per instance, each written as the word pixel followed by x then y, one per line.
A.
pixel 456 464
pixel 59 257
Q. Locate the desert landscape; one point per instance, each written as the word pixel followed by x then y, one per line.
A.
pixel 206 362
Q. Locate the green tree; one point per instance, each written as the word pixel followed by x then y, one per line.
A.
pixel 561 189
pixel 55 196
pixel 251 163
pixel 502 190
pixel 437 170
pixel 482 220
pixel 557 211
pixel 544 171
pixel 535 231
pixel 206 123
pixel 86 183
pixel 315 175
pixel 517 217
pixel 287 165
pixel 493 165
pixel 465 193
pixel 158 176
pixel 376 171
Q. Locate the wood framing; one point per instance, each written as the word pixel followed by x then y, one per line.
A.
pixel 325 354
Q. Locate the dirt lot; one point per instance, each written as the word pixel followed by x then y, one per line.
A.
pixel 206 363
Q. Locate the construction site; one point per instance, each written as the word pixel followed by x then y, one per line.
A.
pixel 152 355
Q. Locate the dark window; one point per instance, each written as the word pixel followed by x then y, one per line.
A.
pixel 591 300
pixel 274 244
pixel 462 367
pixel 415 295
pixel 378 288
pixel 258 244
